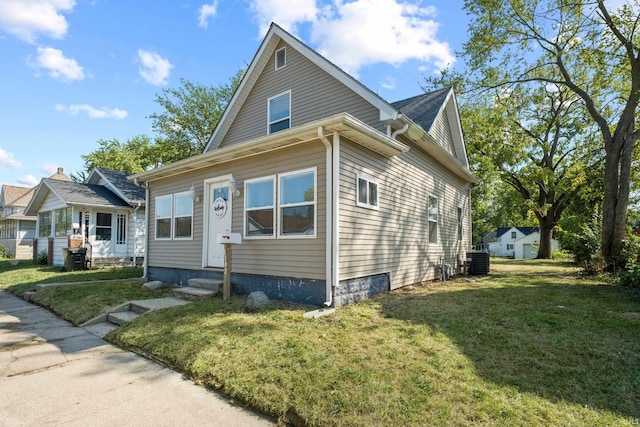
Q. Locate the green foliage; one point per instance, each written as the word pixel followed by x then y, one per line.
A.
pixel 190 114
pixel 4 252
pixel 42 258
pixel 136 155
pixel 582 238
pixel 630 276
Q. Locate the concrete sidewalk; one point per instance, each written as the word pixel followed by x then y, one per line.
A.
pixel 52 373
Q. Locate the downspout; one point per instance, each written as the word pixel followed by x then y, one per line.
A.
pixel 145 262
pixel 329 226
pixel 135 221
pixel 400 131
pixel 336 209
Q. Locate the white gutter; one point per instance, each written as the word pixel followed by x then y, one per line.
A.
pixel 145 262
pixel 400 131
pixel 336 210
pixel 329 225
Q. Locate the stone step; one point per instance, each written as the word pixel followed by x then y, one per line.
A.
pixel 138 308
pixel 122 317
pixel 211 284
pixel 193 294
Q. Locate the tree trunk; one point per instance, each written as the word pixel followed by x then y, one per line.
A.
pixel 617 177
pixel 546 234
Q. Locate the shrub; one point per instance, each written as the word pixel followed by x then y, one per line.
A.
pixel 42 258
pixel 630 276
pixel 4 252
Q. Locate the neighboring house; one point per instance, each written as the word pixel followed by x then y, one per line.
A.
pixel 17 230
pixel 106 215
pixel 337 193
pixel 527 246
pixel 506 237
pixel 487 239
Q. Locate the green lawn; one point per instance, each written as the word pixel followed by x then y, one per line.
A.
pixel 533 343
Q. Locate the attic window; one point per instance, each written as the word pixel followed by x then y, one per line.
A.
pixel 279 112
pixel 281 58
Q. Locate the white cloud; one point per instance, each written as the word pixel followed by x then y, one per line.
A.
pixel 207 11
pixel 26 19
pixel 92 112
pixel 29 180
pixel 7 159
pixel 155 69
pixel 285 13
pixel 353 34
pixel 58 66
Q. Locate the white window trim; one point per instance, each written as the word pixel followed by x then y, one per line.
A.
pixel 156 217
pixel 273 178
pixel 174 216
pixel 290 205
pixel 429 220
pixel 276 58
pixel 269 122
pixel 367 205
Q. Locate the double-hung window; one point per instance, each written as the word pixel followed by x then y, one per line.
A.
pixel 163 216
pixel 182 216
pixel 259 202
pixel 281 58
pixel 279 112
pixel 44 224
pixel 103 226
pixel 459 224
pixel 297 203
pixel 367 192
pixel 432 216
pixel 63 221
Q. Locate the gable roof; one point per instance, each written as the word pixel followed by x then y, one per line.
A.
pixel 118 183
pixel 423 109
pixel 73 193
pixel 13 195
pixel 60 175
pixel 266 49
pixel 524 230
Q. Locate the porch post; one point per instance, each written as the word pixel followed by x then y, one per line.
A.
pixel 226 282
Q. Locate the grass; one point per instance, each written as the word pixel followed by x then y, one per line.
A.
pixel 26 275
pixel 533 343
pixel 104 288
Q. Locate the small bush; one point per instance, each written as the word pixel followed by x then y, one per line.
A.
pixel 630 276
pixel 42 258
pixel 4 252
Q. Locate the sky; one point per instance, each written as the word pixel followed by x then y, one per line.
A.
pixel 73 72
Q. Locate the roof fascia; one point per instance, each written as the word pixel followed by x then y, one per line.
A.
pixel 38 197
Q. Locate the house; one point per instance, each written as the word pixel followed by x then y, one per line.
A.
pixel 505 240
pixel 106 215
pixel 17 230
pixel 527 246
pixel 336 193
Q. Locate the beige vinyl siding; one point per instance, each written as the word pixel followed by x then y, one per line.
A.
pixel 394 238
pixel 314 95
pixel 441 131
pixel 301 257
pixel 51 203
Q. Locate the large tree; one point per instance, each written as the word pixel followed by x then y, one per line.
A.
pixel 190 114
pixel 581 45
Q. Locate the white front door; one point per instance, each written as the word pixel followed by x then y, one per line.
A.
pixel 219 220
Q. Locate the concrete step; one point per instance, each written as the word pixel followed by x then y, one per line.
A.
pixel 211 284
pixel 193 294
pixel 137 308
pixel 122 317
pixel 100 329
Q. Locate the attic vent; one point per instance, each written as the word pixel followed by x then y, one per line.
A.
pixel 281 58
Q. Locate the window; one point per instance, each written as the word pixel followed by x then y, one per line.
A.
pixel 121 229
pixel 279 112
pixel 63 221
pixel 259 202
pixel 8 229
pixel 103 226
pixel 44 229
pixel 432 214
pixel 367 192
pixel 182 216
pixel 459 224
pixel 509 247
pixel 281 58
pixel 513 234
pixel 297 201
pixel 163 217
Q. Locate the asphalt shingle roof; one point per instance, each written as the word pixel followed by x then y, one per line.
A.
pixel 131 191
pixel 84 194
pixel 423 109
